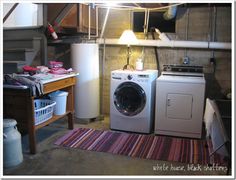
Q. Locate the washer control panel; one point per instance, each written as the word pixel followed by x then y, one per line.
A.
pixel 144 76
pixel 131 77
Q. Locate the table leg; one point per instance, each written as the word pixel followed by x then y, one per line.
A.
pixel 32 141
pixel 71 120
pixel 70 107
pixel 31 126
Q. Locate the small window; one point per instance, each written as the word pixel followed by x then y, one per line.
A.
pixel 155 20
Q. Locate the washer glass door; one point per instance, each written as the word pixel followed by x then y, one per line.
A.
pixel 129 98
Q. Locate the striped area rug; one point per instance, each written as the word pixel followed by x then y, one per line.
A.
pixel 138 145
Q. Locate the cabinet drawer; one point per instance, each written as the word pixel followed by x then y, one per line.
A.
pixel 53 86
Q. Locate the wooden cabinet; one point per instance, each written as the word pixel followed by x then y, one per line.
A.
pixel 71 18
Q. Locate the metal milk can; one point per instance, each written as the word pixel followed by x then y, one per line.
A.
pixel 12 148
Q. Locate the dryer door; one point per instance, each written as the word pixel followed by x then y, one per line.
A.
pixel 129 98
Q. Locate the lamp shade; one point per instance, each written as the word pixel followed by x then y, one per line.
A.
pixel 128 37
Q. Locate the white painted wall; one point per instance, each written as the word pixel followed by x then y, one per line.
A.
pixel 25 14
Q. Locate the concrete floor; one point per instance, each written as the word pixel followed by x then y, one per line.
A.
pixel 55 160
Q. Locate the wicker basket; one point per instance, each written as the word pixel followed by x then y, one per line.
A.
pixel 43 110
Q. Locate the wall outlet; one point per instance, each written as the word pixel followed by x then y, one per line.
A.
pixel 186 60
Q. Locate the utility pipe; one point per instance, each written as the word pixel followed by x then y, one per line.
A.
pixel 186 30
pixel 96 21
pixel 145 29
pixel 145 23
pixel 105 22
pixel 89 21
pixel 174 44
pixel 96 35
pixel 214 31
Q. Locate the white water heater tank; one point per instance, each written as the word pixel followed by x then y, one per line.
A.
pixel 85 61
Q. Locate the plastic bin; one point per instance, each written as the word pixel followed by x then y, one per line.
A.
pixel 60 97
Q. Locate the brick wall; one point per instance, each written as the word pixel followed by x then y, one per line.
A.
pixel 198 30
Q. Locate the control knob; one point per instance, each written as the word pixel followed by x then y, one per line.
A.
pixel 129 77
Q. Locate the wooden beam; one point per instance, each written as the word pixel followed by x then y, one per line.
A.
pixel 63 13
pixel 10 11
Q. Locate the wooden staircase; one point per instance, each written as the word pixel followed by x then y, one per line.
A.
pixel 21 47
pixel 29 45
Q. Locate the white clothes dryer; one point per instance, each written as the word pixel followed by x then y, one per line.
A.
pixel 132 99
pixel 180 92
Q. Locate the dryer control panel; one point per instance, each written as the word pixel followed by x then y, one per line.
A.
pixel 131 77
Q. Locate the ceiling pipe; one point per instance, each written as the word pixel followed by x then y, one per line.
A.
pixel 89 21
pixel 96 21
pixel 162 36
pixel 170 13
pixel 174 44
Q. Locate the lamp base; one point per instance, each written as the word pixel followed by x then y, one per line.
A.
pixel 128 67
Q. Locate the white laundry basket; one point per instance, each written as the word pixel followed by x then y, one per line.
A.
pixel 60 97
pixel 43 110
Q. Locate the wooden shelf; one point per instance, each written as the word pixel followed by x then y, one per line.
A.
pixel 53 119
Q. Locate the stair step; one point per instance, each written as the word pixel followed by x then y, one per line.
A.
pixel 23 39
pixel 10 67
pixel 14 62
pixel 18 54
pixel 21 28
pixel 12 50
pixel 24 44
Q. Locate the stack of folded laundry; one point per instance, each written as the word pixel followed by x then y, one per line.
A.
pixel 56 67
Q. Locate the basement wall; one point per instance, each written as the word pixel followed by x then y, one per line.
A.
pixel 218 82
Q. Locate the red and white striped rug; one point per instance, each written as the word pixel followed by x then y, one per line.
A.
pixel 141 146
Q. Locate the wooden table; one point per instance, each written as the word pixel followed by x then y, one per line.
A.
pixel 19 105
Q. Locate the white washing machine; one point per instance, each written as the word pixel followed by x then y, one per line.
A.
pixel 132 99
pixel 180 92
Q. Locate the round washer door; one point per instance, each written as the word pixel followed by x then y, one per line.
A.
pixel 129 98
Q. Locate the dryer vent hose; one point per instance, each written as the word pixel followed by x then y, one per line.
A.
pixel 155 48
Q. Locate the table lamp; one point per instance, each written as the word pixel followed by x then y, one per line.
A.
pixel 128 37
